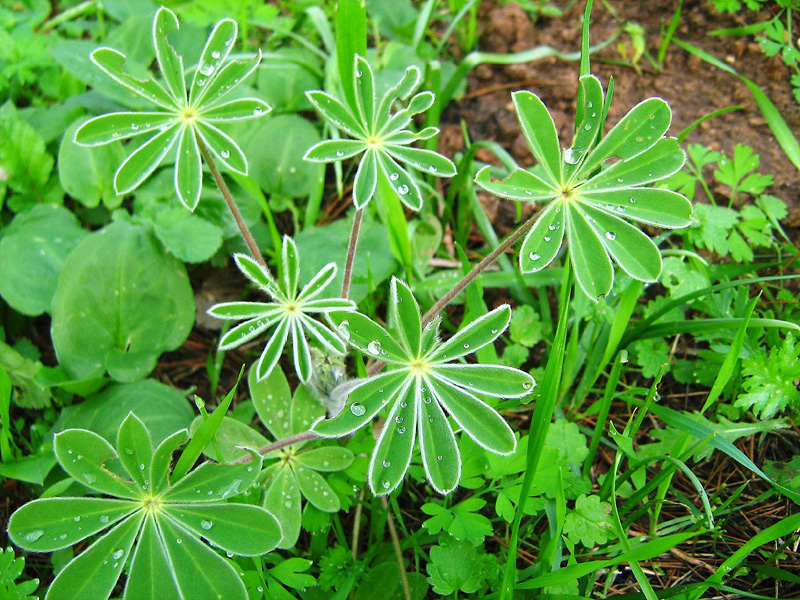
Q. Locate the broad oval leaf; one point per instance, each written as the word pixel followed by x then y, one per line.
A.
pixel 152 312
pixel 327 458
pixel 316 490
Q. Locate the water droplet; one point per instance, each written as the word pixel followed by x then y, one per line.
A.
pixel 344 330
pixel 104 519
pixel 534 256
pixel 632 200
pixel 494 331
pixel 432 169
pixel 401 430
pixel 587 127
pixel 358 73
pixel 439 457
pixel 402 190
pixel 179 541
pixel 610 235
pixel 398 419
pixel 386 464
pixel 466 346
pixel 572 156
pixel 527 385
pixel 225 154
pixel 339 153
pixel 374 347
pixel 258 110
pixel 403 405
pixel 117 554
pixel 547 238
pixel 621 209
pixel 619 179
pixel 206 70
pixel 427 400
pixel 591 104
pixel 558 209
pixel 530 193
pixel 357 409
pixel 141 466
pixel 201 82
pixel 386 485
pixel 77 519
pixel 34 535
pixel 215 55
pixel 90 478
pixel 394 176
pixel 134 127
pixel 206 525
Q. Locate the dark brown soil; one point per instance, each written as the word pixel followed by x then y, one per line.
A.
pixel 692 87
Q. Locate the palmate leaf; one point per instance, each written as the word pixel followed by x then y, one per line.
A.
pixel 382 136
pixel 289 316
pixel 161 523
pixel 185 117
pixel 422 388
pixel 589 201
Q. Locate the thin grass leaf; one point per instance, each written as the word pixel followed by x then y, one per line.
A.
pixel 241 310
pixel 364 84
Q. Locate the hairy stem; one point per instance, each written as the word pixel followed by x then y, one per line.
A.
pixel 397 550
pixel 277 445
pixel 226 193
pixel 351 252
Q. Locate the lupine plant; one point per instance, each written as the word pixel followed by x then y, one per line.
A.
pixel 155 524
pixel 288 314
pixel 424 384
pixel 185 118
pixel 591 198
pixel 415 380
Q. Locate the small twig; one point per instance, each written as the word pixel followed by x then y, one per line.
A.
pixel 397 550
pixel 351 252
pixel 478 269
pixel 226 193
pixel 357 523
pixel 277 445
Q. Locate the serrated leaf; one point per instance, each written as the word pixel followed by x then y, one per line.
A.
pixel 589 522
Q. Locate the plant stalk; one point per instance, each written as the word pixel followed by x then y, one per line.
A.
pixel 226 193
pixel 277 445
pixel 351 253
pixel 397 550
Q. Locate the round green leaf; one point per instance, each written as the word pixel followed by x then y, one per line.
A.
pixel 119 293
pixel 187 236
pixel 32 251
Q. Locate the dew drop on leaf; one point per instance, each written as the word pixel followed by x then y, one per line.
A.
pixel 394 176
pixel 90 479
pixel 215 55
pixel 386 464
pixel 104 519
pixel 357 409
pixel 610 235
pixel 398 420
pixel 225 154
pixel 547 238
pixel 386 485
pixel 534 256
pixel 403 189
pixel 134 127
pixel 374 347
pixel 117 554
pixel 179 541
pixel 34 535
pixel 339 153
pixel 527 385
pixel 206 525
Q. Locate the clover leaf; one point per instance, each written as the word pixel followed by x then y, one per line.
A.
pixel 154 524
pixel 288 314
pixel 297 474
pixel 591 200
pixel 421 387
pixel 382 136
pixel 184 119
